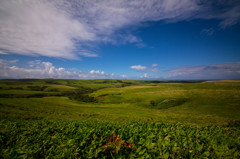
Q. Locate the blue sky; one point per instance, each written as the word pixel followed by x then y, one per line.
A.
pixel 120 39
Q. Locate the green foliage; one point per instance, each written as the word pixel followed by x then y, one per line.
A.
pixel 153 103
pixel 234 123
pixel 81 95
pixel 12 88
pixel 37 88
pixel 82 98
pixel 45 139
pixel 51 81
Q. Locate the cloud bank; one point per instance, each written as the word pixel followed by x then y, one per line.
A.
pixel 206 72
pixel 41 69
pixel 193 72
pixel 70 28
pixel 138 67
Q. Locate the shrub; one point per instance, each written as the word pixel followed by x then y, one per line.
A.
pixel 82 98
pixel 37 88
pixel 153 103
pixel 81 95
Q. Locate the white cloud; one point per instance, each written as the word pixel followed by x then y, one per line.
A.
pixel 123 76
pixel 42 69
pixel 216 71
pixel 8 62
pixel 59 28
pixel 144 76
pixel 39 69
pixel 138 67
pixel 2 52
pixel 39 28
pixel 86 54
pixel 35 63
pixel 144 68
pixel 231 15
pixel 93 72
pixel 154 70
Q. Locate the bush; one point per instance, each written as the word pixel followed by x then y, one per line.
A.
pixel 234 123
pixel 153 103
pixel 82 98
pixel 51 82
pixel 37 88
pixel 81 95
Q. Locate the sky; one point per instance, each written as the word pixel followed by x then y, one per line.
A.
pixel 120 39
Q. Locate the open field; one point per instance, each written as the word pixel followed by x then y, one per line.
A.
pixel 205 108
pixel 204 103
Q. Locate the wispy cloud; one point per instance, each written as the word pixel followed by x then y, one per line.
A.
pixel 86 54
pixel 217 71
pixel 209 31
pixel 13 61
pixel 123 76
pixel 138 67
pixel 59 28
pixel 42 69
pixel 144 68
pixel 154 70
pixel 3 53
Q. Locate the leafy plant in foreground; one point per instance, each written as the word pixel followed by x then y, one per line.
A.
pixel 93 139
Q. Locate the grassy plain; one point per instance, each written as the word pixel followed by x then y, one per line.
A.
pixel 204 103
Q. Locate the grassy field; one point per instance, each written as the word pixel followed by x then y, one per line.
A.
pixel 204 103
pixel 188 103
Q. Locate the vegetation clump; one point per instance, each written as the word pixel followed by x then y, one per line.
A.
pixel 81 95
pixel 37 88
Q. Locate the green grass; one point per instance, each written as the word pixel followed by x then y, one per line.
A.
pixel 161 119
pixel 214 102
pixel 205 103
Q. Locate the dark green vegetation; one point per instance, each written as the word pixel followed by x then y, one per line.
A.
pixel 151 119
pixel 40 139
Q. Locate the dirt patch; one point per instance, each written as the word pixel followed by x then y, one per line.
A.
pixel 102 96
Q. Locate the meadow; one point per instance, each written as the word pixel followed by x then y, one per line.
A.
pixel 59 118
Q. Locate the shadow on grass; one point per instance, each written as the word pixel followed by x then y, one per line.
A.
pixel 167 103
